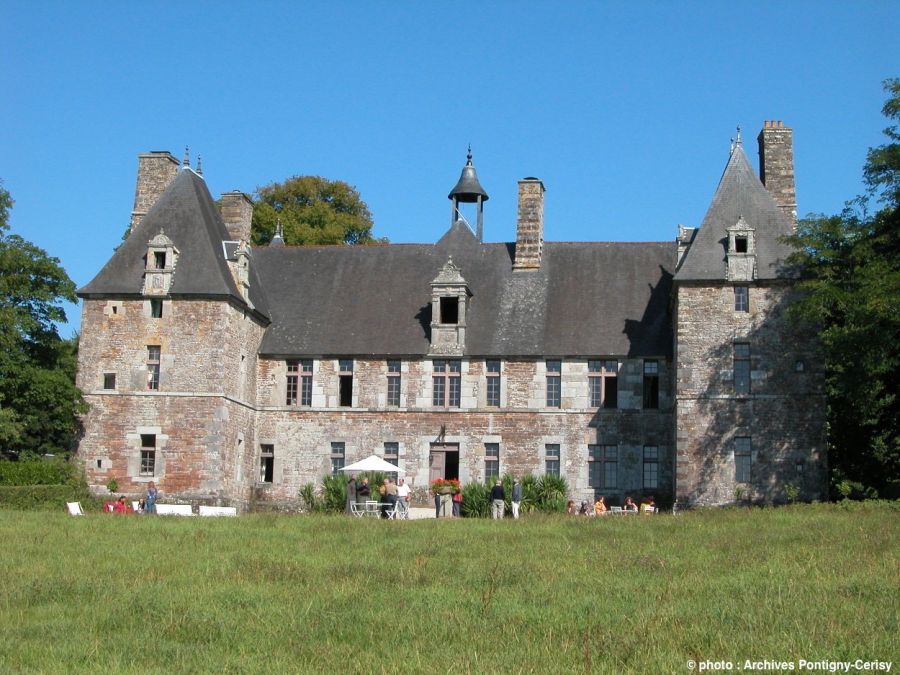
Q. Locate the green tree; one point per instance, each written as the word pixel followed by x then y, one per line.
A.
pixel 39 403
pixel 851 275
pixel 312 210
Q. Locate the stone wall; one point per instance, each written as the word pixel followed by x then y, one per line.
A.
pixel 783 413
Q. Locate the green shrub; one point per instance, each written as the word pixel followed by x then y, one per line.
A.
pixel 36 497
pixel 37 472
pixel 476 501
pixel 334 492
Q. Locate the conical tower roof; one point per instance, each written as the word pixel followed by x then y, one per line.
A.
pixel 739 195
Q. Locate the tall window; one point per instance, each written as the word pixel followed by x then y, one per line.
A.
pixel 551 459
pixel 392 455
pixel 603 378
pixel 156 308
pixel 492 369
pixel 741 368
pixel 266 463
pixel 337 458
pixel 491 461
pixel 651 466
pixel 446 380
pixel 345 367
pixel 742 459
pixel 159 260
pixel 741 299
pixel 293 377
pixel 148 454
pixel 306 373
pixel 554 383
pixel 393 383
pixel 603 464
pixel 450 309
pixel 651 385
pixel 153 353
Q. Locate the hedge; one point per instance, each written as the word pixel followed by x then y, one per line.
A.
pixel 36 472
pixel 31 497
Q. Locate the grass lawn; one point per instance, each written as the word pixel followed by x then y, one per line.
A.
pixel 273 593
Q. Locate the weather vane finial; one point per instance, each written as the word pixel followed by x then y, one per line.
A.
pixel 186 162
pixel 469 156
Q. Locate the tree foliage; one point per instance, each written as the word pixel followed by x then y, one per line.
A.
pixel 39 402
pixel 851 265
pixel 312 210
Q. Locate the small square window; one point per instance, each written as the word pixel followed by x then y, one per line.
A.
pixel 450 310
pixel 159 260
pixel 740 244
pixel 109 380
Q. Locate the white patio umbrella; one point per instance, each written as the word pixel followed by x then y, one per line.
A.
pixel 372 463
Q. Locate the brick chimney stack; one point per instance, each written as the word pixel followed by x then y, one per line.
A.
pixel 237 213
pixel 776 165
pixel 530 225
pixel 155 171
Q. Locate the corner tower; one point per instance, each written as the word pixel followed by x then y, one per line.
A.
pixel 749 391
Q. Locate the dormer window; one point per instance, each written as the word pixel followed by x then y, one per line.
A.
pixel 740 264
pixel 450 310
pixel 449 306
pixel 162 256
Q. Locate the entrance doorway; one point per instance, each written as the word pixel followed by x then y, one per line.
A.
pixel 443 462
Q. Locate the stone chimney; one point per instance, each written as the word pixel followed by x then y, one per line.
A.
pixel 237 212
pixel 776 165
pixel 155 171
pixel 530 225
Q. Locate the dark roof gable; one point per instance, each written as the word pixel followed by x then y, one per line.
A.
pixel 188 216
pixel 739 194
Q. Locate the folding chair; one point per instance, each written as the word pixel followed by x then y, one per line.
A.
pixel 74 508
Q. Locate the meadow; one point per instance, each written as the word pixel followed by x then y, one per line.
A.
pixel 546 594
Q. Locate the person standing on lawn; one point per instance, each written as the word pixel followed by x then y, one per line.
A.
pixel 516 498
pixel 403 497
pixel 150 498
pixel 351 493
pixel 497 499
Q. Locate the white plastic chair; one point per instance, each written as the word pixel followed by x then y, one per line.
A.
pixel 74 508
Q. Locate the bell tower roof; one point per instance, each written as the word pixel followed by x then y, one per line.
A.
pixel 468 189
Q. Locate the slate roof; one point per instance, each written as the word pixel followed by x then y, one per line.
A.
pixel 740 193
pixel 188 216
pixel 587 299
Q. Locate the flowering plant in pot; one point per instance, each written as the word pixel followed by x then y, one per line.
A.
pixel 443 486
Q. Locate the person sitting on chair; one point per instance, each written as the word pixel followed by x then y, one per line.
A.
pixel 600 506
pixel 122 506
pixel 629 505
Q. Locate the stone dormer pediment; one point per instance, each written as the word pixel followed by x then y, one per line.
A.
pixel 449 306
pixel 161 259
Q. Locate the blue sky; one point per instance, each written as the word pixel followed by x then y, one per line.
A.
pixel 624 109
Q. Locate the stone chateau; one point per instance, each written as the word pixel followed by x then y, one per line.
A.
pixel 233 374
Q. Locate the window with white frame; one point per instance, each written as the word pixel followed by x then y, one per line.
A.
pixel 551 459
pixel 392 455
pixel 153 359
pixel 741 299
pixel 492 372
pixel 446 381
pixel 337 457
pixel 603 381
pixel 554 383
pixel 393 383
pixel 148 455
pixel 491 461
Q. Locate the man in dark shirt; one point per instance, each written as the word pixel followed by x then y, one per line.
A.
pixel 497 498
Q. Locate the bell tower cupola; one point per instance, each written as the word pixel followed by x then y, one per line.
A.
pixel 468 191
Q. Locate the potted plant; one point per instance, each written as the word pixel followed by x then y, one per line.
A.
pixel 443 486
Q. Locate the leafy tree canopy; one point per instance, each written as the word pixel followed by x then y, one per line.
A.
pixel 851 266
pixel 39 402
pixel 312 210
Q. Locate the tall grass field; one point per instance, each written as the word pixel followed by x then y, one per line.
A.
pixel 332 594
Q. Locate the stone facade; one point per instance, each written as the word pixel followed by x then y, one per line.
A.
pixel 204 371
